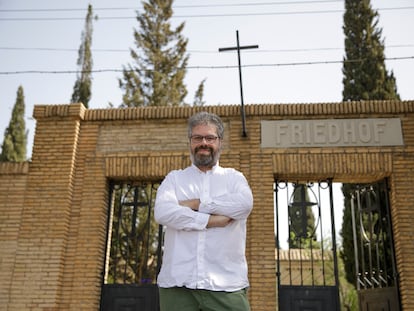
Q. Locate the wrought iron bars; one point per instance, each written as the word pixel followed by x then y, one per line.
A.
pixel 134 239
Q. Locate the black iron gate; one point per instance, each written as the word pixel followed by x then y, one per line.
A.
pixel 133 252
pixel 307 268
pixel 376 274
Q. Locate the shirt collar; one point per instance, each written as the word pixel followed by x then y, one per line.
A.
pixel 213 169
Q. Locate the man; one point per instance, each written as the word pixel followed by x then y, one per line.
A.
pixel 204 208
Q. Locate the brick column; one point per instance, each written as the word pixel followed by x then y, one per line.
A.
pixel 13 176
pixel 38 269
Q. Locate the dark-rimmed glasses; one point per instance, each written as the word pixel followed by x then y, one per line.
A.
pixel 210 139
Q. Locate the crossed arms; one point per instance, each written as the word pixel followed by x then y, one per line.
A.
pixel 213 220
pixel 235 203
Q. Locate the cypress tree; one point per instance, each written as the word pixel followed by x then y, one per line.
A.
pixel 198 97
pixel 15 136
pixel 364 70
pixel 82 88
pixel 347 249
pixel 157 76
pixel 365 78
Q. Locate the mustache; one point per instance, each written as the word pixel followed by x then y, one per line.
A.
pixel 203 148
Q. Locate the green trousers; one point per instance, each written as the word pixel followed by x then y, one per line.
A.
pixel 184 299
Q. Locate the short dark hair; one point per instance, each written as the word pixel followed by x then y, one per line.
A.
pixel 205 118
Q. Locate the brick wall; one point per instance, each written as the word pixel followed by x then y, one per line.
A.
pixel 13 179
pixel 54 209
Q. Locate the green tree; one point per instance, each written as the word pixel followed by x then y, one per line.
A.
pixel 15 136
pixel 198 97
pixel 365 77
pixel 82 88
pixel 347 292
pixel 347 249
pixel 157 76
pixel 364 70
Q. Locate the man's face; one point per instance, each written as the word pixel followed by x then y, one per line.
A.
pixel 205 146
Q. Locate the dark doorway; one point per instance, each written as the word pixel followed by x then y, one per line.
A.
pixel 133 253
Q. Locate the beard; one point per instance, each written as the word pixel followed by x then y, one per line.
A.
pixel 206 160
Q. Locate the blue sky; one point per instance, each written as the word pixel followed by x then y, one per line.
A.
pixel 298 59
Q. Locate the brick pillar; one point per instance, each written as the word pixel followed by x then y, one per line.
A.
pixel 39 263
pixel 13 176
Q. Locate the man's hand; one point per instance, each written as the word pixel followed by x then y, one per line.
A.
pixel 218 221
pixel 192 203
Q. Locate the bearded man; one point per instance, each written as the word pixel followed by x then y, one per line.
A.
pixel 204 208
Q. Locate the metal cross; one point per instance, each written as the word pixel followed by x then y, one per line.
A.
pixel 238 48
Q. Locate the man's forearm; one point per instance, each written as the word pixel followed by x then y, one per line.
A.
pixel 214 220
pixel 218 221
pixel 194 204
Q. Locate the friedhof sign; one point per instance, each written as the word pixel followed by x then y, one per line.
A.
pixel 331 133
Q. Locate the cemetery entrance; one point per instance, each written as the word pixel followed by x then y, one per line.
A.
pixel 307 266
pixel 306 246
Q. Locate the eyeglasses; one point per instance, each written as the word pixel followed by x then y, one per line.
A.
pixel 196 139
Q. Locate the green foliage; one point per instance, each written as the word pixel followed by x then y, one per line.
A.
pixel 82 88
pixel 347 250
pixel 198 98
pixel 347 293
pixel 157 76
pixel 365 73
pixel 15 136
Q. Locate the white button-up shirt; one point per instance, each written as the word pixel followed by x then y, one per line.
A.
pixel 194 256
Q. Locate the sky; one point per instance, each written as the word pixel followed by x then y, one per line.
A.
pixel 301 45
